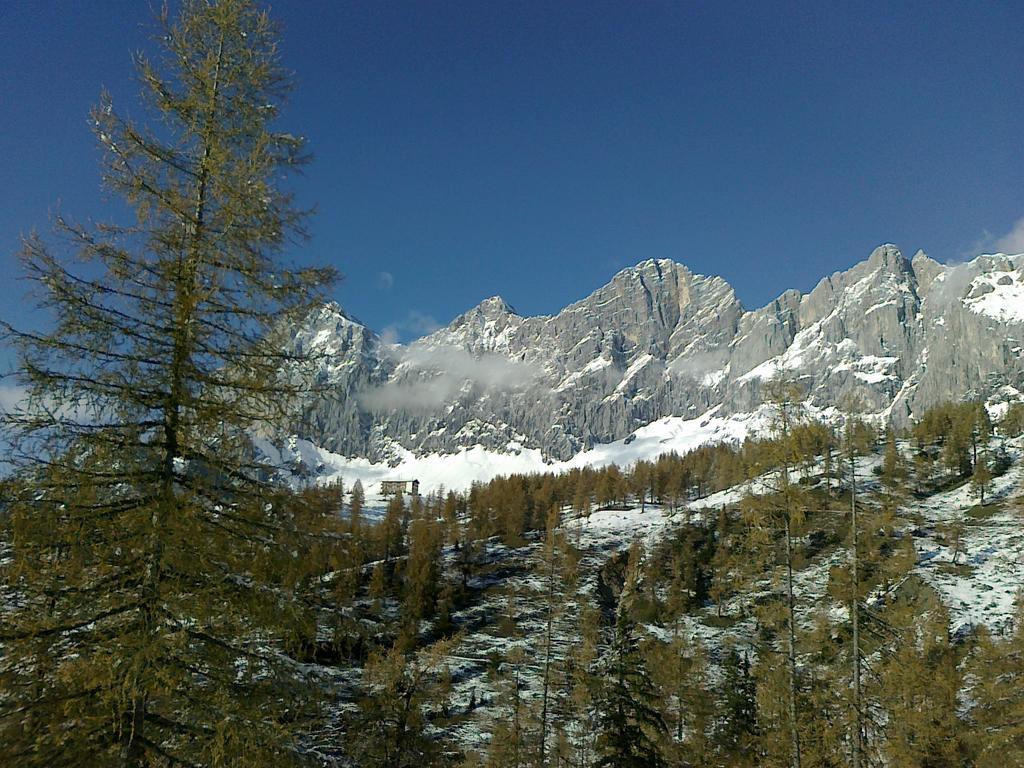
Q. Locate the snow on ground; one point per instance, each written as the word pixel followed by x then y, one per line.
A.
pixel 572 380
pixel 980 588
pixel 607 529
pixel 985 583
pixel 518 572
pixel 457 471
pixel 999 403
pixel 865 468
pixel 983 592
pixel 998 294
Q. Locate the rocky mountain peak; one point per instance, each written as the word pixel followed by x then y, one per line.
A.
pixel 495 306
pixel 487 327
pixel 658 275
pixel 889 258
pixel 660 340
pixel 658 269
pixel 332 313
pixel 329 329
pixel 493 309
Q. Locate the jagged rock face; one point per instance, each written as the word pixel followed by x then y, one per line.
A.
pixel 349 359
pixel 973 327
pixel 659 340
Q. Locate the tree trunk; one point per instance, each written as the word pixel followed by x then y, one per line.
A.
pixel 794 732
pixel 515 721
pixel 134 754
pixel 858 736
pixel 547 655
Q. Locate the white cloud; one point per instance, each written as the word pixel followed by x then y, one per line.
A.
pixel 415 325
pixel 413 396
pixel 981 245
pixel 420 323
pixel 437 375
pixel 952 286
pixel 1013 241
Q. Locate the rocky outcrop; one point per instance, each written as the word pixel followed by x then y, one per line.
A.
pixel 659 340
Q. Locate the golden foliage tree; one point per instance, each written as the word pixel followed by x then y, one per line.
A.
pixel 154 567
pixel 998 714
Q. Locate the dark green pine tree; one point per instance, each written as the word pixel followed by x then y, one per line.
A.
pixel 632 728
pixel 736 728
pixel 153 573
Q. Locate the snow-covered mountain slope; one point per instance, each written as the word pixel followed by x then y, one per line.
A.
pixel 974 557
pixel 659 341
pixel 980 589
pixel 459 469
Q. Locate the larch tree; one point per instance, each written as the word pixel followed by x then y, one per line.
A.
pixel 511 735
pixel 894 472
pixel 877 559
pixel 549 573
pixel 390 534
pixel 981 478
pixel 423 570
pixel 556 573
pixel 920 682
pixel 154 566
pixel 680 670
pixel 857 438
pixel 779 512
pixel 1012 423
pixel 726 562
pixel 399 690
pixel 998 713
pixel 582 682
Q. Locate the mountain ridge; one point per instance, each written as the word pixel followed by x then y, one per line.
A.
pixel 659 340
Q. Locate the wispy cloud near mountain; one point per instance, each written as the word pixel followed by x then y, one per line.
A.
pixel 436 375
pixel 1013 241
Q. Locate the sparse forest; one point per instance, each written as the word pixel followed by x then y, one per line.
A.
pixel 705 646
pixel 168 599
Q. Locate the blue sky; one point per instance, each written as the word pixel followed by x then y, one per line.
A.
pixel 532 149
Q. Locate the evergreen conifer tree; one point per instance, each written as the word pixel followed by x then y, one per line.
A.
pixel 735 733
pixel 632 727
pixel 780 513
pixel 355 508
